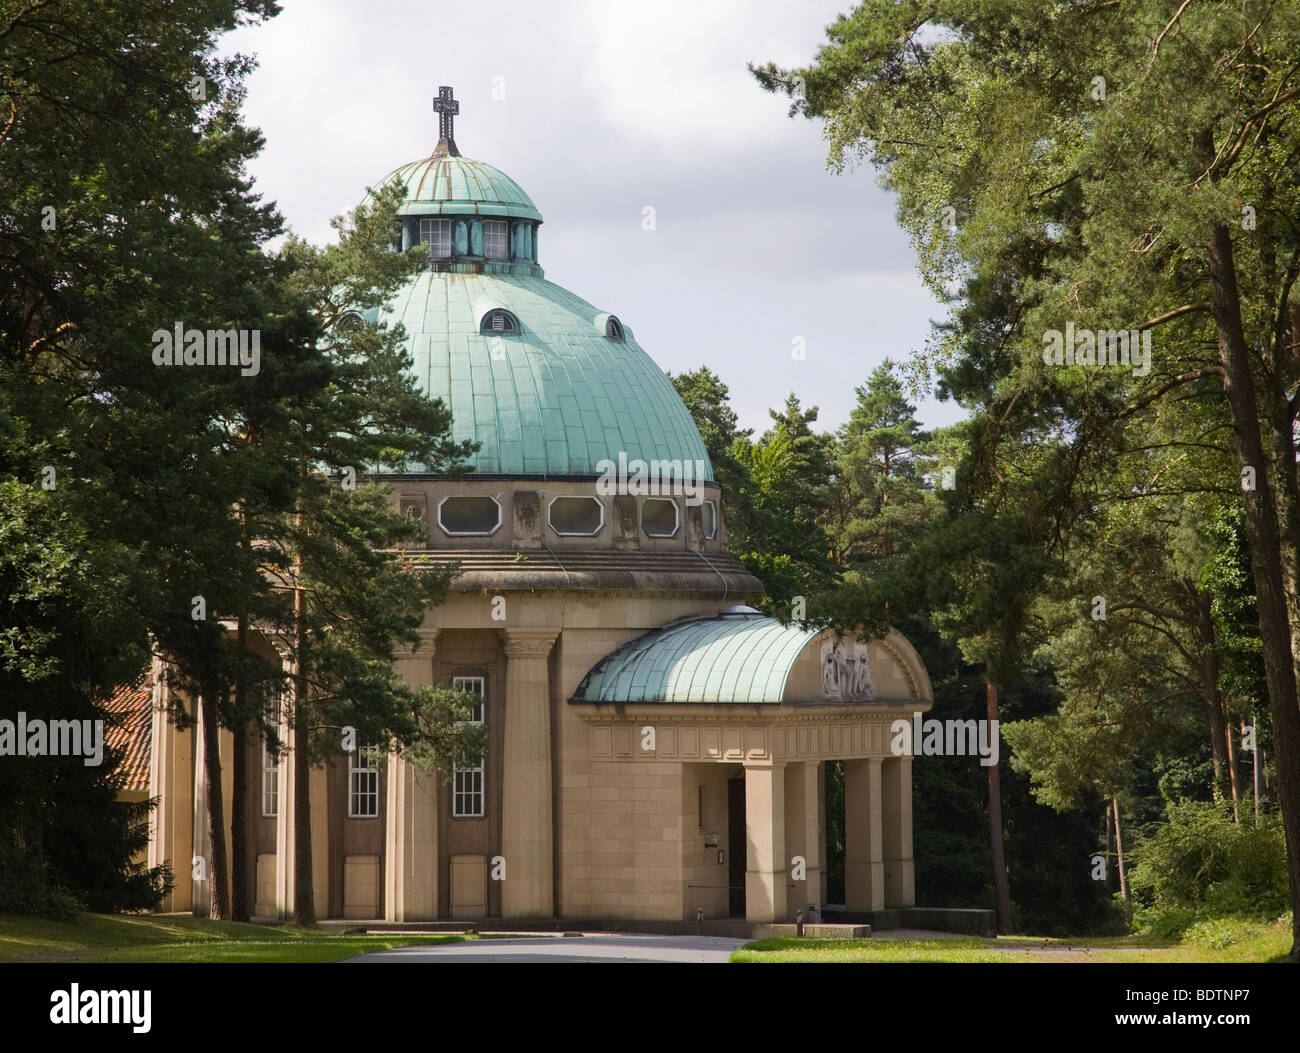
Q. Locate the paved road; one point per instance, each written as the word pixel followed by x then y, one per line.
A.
pixel 597 947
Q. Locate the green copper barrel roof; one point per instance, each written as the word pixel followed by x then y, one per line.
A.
pixel 451 185
pixel 733 658
pixel 554 398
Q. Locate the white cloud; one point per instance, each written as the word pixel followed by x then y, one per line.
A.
pixel 609 107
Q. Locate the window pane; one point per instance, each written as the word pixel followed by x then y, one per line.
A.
pixel 467 785
pixel 659 517
pixel 469 515
pixel 576 515
pixel 494 240
pixel 363 783
pixel 436 233
pixel 709 518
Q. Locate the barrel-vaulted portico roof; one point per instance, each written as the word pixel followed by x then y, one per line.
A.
pixel 742 656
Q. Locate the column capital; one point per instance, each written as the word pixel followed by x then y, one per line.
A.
pixel 528 643
pixel 428 639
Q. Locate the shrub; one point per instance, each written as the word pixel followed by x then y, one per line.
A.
pixel 1200 865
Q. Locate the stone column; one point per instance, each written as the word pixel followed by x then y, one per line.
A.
pixel 864 868
pixel 803 807
pixel 411 814
pixel 410 844
pixel 896 806
pixel 171 781
pixel 284 814
pixel 527 841
pixel 766 863
pixel 200 891
pixel 285 822
pixel 821 826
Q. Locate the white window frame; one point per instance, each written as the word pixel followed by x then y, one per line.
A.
pixel 576 497
pixel 436 233
pixel 469 533
pixel 271 769
pixel 270 783
pixel 713 507
pixel 468 785
pixel 508 319
pixel 677 518
pixel 363 782
pixel 496 231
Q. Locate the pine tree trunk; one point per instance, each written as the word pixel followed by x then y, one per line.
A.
pixel 1262 535
pixel 239 905
pixel 219 894
pixel 1119 849
pixel 1234 776
pixel 1000 884
pixel 1208 660
pixel 304 896
pixel 1107 829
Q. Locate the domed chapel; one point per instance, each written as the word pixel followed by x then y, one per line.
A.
pixel 656 747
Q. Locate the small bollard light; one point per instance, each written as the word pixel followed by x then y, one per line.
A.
pixel 699 921
pixel 798 922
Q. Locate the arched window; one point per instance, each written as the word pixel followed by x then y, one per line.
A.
pixel 499 321
pixel 614 329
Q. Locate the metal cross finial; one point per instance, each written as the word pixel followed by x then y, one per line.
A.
pixel 446 108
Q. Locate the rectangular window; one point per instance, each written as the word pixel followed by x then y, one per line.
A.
pixel 701 805
pixel 494 239
pixel 363 783
pixel 271 770
pixel 436 233
pixel 467 783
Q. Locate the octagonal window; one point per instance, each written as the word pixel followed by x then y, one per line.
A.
pixel 659 517
pixel 469 516
pixel 576 516
pixel 709 519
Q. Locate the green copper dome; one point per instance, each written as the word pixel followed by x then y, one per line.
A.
pixel 554 397
pixel 450 185
pixel 734 658
pixel 547 384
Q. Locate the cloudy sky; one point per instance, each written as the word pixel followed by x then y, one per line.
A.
pixel 603 109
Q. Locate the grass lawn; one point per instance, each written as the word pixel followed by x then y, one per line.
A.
pixel 871 949
pixel 155 938
pixel 1211 942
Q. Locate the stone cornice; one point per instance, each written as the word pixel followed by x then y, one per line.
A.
pixel 877 710
pixel 802 736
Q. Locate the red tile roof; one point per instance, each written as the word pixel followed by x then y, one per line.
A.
pixel 129 726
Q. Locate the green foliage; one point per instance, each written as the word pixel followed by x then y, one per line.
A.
pixel 1201 865
pixel 879 502
pixel 707 399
